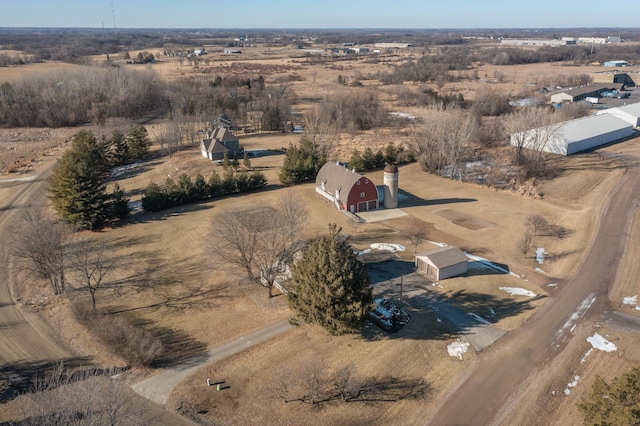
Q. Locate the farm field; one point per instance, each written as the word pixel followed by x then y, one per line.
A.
pixel 197 305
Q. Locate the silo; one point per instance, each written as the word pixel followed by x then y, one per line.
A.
pixel 391 187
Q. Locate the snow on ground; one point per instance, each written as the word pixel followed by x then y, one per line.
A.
pixel 438 244
pixel 457 348
pixel 361 252
pixel 579 313
pixel 490 264
pixel 517 291
pixel 630 300
pixel 135 206
pixel 586 355
pixel 117 171
pixel 540 271
pixel 479 318
pixel 540 255
pixel 600 343
pixel 552 285
pixel 403 115
pixel 573 384
pixel 387 247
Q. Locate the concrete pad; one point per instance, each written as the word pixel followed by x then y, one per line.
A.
pixel 381 214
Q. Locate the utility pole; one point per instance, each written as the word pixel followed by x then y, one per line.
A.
pixel 113 12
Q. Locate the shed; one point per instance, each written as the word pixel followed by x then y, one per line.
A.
pixel 628 113
pixel 442 263
pixel 345 188
pixel 575 136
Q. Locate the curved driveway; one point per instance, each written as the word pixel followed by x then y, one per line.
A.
pixel 499 371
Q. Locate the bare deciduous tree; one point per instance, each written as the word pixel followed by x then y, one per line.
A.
pixel 259 240
pixel 443 138
pixel 313 374
pixel 531 130
pixel 525 242
pixel 416 231
pixel 38 247
pixel 347 382
pixel 90 262
pixel 90 396
pixel 537 223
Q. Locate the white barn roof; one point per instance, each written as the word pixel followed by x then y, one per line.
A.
pixel 629 113
pixel 583 134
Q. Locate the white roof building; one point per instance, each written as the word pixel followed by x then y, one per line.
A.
pixel 628 113
pixel 575 136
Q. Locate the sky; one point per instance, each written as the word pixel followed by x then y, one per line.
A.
pixel 419 14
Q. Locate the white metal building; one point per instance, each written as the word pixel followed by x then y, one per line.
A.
pixel 442 262
pixel 628 113
pixel 578 135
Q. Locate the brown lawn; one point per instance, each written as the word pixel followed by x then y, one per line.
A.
pixel 200 305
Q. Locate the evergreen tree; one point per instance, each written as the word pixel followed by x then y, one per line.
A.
pixel 137 141
pixel 120 154
pixel 330 286
pixel 356 162
pixel 617 403
pixel 301 162
pixel 118 206
pixel 390 154
pixel 226 163
pixel 77 189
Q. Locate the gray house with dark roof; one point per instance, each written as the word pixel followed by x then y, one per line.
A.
pixel 220 141
pixel 442 262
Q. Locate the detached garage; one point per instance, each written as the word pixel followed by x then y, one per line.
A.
pixel 442 263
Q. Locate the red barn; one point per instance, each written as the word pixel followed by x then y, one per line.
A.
pixel 347 189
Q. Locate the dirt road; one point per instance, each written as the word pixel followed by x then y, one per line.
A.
pixel 503 368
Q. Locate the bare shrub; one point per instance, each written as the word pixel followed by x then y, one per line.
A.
pixel 137 346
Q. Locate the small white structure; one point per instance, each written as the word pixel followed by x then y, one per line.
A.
pixel 390 200
pixel 442 262
pixel 628 113
pixel 574 136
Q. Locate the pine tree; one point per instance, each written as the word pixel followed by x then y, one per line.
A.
pixel 330 286
pixel 119 204
pixel 617 403
pixel 77 189
pixel 137 141
pixel 302 162
pixel 119 149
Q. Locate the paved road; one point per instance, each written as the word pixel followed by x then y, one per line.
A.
pixel 158 387
pixel 19 340
pixel 501 369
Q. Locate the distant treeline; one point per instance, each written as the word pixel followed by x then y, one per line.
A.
pixel 78 96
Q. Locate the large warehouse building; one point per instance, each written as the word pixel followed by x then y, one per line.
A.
pixel 628 113
pixel 581 93
pixel 576 135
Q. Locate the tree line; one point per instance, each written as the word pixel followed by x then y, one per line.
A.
pixel 185 190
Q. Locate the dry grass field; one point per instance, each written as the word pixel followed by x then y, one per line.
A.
pixel 193 304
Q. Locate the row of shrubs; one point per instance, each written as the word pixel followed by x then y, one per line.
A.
pixel 185 190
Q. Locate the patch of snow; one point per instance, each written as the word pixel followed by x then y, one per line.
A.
pixel 552 285
pixel 365 251
pixel 517 291
pixel 404 115
pixel 438 319
pixel 492 311
pixel 540 255
pixel 117 171
pixel 479 318
pixel 586 355
pixel 490 264
pixel 540 270
pixel 637 308
pixel 387 247
pixel 573 384
pixel 135 206
pixel 630 300
pixel 473 164
pixel 439 244
pixel 579 312
pixel 457 349
pixel 600 343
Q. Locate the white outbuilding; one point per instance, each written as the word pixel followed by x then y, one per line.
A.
pixel 442 262
pixel 628 113
pixel 575 136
